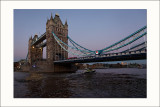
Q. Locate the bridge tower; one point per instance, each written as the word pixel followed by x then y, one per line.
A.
pixel 29 50
pixel 34 53
pixel 53 50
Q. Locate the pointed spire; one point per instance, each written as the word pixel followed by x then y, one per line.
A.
pixel 57 14
pixel 51 16
pixel 66 22
pixel 47 20
pixel 30 37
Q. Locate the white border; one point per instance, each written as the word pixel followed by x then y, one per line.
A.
pixel 152 57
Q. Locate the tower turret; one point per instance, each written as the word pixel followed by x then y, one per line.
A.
pixel 66 23
pixel 29 49
pixel 51 17
pixel 47 21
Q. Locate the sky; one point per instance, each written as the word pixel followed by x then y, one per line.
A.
pixel 94 29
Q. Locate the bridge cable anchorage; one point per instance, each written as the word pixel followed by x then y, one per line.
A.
pixel 133 34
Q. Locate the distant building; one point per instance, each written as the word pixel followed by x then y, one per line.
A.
pixel 16 66
pixel 118 65
pixel 123 63
pixel 22 61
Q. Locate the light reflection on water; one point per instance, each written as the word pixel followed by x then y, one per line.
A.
pixel 105 83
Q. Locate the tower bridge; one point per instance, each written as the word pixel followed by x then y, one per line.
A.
pixel 56 41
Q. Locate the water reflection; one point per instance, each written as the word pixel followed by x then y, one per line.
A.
pixel 47 86
pixel 110 83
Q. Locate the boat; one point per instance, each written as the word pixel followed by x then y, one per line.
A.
pixel 89 70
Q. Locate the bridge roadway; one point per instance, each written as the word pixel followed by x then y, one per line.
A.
pixel 122 56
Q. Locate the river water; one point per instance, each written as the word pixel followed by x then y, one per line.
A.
pixel 104 83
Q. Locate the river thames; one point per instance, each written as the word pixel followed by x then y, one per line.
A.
pixel 104 83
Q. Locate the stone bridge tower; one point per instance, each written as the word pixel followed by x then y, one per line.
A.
pixel 34 53
pixel 53 50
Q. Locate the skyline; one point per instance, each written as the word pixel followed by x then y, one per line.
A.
pixel 85 26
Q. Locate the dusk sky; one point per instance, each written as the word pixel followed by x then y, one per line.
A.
pixel 93 29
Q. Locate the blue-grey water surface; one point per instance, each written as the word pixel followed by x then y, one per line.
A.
pixel 104 83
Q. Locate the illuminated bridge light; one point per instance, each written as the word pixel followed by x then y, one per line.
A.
pixel 96 52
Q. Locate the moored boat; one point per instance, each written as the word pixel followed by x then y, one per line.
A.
pixel 89 70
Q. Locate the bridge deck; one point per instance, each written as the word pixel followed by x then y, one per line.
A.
pixel 106 58
pixel 40 39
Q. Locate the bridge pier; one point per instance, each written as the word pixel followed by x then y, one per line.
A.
pixel 44 66
pixel 69 68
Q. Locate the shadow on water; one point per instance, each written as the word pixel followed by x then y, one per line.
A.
pixel 80 85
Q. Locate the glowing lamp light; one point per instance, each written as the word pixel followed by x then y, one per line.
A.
pixel 96 52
